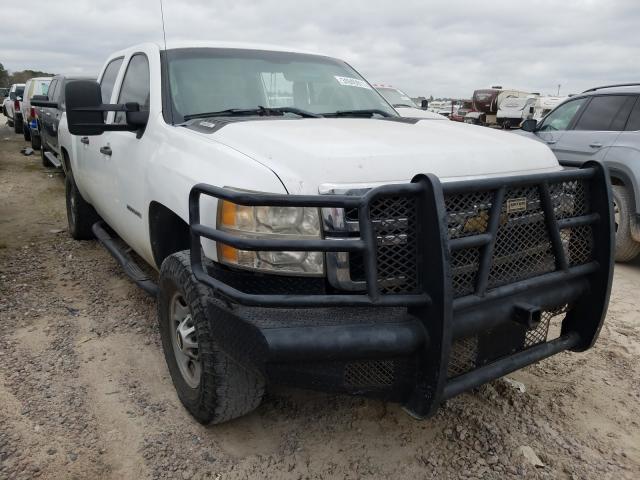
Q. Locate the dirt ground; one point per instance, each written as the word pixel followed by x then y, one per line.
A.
pixel 85 393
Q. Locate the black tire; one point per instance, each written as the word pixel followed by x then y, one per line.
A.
pixel 80 214
pixel 36 142
pixel 26 133
pixel 626 247
pixel 225 389
pixel 43 158
pixel 17 125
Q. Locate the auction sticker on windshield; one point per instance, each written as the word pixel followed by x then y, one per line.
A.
pixel 352 82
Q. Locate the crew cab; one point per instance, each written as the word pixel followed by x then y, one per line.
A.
pixel 306 234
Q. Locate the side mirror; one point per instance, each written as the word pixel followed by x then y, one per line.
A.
pixel 85 110
pixel 424 104
pixel 42 101
pixel 529 125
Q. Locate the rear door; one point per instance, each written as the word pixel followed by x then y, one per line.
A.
pixel 595 129
pixel 45 115
pixel 555 125
pixel 54 116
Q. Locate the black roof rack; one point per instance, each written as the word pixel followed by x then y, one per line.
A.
pixel 610 86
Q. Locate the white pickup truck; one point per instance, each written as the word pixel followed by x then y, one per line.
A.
pixel 306 234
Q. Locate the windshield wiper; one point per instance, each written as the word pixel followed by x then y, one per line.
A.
pixel 260 110
pixel 370 112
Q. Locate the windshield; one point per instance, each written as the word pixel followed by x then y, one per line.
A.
pixel 397 97
pixel 214 80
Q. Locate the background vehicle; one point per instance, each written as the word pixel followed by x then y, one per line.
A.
pixel 322 242
pixel 403 104
pixel 512 109
pixel 464 107
pixel 11 106
pixel 33 86
pixel 53 137
pixel 602 123
pixel 486 104
pixel 544 104
pixel 4 92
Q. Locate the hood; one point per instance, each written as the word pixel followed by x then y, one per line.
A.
pixel 308 153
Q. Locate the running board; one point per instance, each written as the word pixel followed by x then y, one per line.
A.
pixel 53 159
pixel 133 271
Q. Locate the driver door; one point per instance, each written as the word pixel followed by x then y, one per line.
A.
pixel 558 122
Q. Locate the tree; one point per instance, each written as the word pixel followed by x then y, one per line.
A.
pixel 4 77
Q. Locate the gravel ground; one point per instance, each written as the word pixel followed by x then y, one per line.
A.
pixel 85 393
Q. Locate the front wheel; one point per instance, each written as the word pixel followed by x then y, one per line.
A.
pixel 626 247
pixel 212 386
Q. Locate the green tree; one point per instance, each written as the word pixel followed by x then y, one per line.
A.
pixel 4 77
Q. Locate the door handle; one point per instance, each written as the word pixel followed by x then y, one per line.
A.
pixel 551 142
pixel 106 150
pixel 595 145
pixel 85 140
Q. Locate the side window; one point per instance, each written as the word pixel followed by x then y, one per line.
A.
pixel 51 94
pixel 135 85
pixel 109 79
pixel 561 117
pixel 606 113
pixel 634 119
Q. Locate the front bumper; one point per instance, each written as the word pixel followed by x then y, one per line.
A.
pixel 467 292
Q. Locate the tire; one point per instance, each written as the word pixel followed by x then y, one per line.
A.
pixel 43 158
pixel 216 388
pixel 26 133
pixel 80 214
pixel 626 247
pixel 36 142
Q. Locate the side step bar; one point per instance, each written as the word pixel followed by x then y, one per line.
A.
pixel 53 160
pixel 133 271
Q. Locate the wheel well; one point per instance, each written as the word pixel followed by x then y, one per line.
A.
pixel 66 166
pixel 621 179
pixel 168 232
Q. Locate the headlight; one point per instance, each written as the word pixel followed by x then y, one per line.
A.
pixel 270 222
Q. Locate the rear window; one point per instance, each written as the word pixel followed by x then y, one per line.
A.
pixel 606 113
pixel 108 80
pixel 19 91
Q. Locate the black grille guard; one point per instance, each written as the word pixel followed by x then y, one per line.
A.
pixel 445 316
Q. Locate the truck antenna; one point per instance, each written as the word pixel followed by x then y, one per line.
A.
pixel 166 60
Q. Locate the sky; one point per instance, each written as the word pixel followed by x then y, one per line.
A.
pixel 444 49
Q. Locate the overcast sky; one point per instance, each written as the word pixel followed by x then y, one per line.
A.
pixel 446 48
